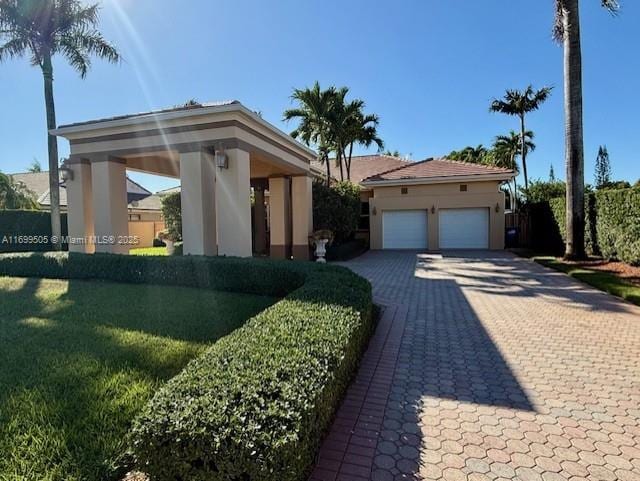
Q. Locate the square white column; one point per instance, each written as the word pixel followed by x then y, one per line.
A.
pixel 302 215
pixel 280 217
pixel 109 192
pixel 198 203
pixel 233 205
pixel 80 208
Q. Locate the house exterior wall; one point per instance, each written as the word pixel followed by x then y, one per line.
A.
pixel 441 196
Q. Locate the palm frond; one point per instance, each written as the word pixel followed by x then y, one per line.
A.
pixel 14 47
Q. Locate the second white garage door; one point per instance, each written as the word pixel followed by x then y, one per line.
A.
pixel 464 228
pixel 404 229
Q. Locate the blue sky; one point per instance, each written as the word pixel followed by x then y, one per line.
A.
pixel 428 68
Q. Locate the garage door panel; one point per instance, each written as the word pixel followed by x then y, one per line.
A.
pixel 464 228
pixel 404 229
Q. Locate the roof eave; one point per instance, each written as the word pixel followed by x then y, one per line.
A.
pixel 439 180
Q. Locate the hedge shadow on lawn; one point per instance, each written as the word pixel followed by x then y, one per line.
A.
pixel 256 404
pixel 75 373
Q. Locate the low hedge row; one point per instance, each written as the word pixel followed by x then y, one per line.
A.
pixel 254 406
pixel 27 230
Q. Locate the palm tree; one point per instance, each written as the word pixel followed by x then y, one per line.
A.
pixel 472 155
pixel 520 103
pixel 506 149
pixel 567 31
pixel 363 130
pixel 314 112
pixel 42 29
pixel 15 195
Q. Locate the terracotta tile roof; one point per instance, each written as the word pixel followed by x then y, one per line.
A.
pixel 363 166
pixel 436 168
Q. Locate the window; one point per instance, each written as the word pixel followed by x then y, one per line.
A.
pixel 463 187
pixel 363 223
pixel 134 217
pixel 404 190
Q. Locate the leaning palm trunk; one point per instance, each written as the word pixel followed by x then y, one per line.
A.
pixel 574 149
pixel 339 162
pixel 348 161
pixel 54 188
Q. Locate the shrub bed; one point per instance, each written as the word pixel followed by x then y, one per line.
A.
pixel 26 230
pixel 255 405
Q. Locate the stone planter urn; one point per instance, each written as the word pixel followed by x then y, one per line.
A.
pixel 321 239
pixel 171 246
pixel 321 250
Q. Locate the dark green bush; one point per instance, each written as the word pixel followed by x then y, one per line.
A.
pixel 612 224
pixel 23 230
pixel 618 224
pixel 172 214
pixel 255 405
pixel 336 208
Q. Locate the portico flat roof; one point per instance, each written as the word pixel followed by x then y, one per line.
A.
pixel 161 116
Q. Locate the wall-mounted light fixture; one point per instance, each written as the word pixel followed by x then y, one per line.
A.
pixel 433 209
pixel 497 207
pixel 65 172
pixel 222 161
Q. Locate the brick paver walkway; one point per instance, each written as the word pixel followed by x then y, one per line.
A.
pixel 489 367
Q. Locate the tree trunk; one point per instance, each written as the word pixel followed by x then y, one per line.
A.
pixel 325 158
pixel 339 162
pixel 52 143
pixel 349 161
pixel 574 148
pixel 515 184
pixel 523 152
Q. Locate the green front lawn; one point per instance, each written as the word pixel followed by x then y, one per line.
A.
pixel 148 251
pixel 79 359
pixel 604 281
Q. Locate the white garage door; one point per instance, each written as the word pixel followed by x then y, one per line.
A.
pixel 404 229
pixel 464 228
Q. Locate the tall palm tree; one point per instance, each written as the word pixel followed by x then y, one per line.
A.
pixel 567 31
pixel 42 29
pixel 314 112
pixel 505 152
pixel 15 195
pixel 362 130
pixel 520 103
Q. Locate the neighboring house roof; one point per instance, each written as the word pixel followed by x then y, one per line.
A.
pixel 152 202
pixel 38 183
pixel 170 190
pixel 363 166
pixel 431 170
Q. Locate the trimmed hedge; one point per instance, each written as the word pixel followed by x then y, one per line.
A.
pixel 29 228
pixel 618 224
pixel 255 405
pixel 612 224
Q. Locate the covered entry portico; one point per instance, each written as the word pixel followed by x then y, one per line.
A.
pixel 219 152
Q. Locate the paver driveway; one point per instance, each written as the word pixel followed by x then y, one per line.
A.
pixel 487 366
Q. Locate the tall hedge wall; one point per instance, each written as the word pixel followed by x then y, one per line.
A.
pixel 612 224
pixel 27 230
pixel 618 224
pixel 255 405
